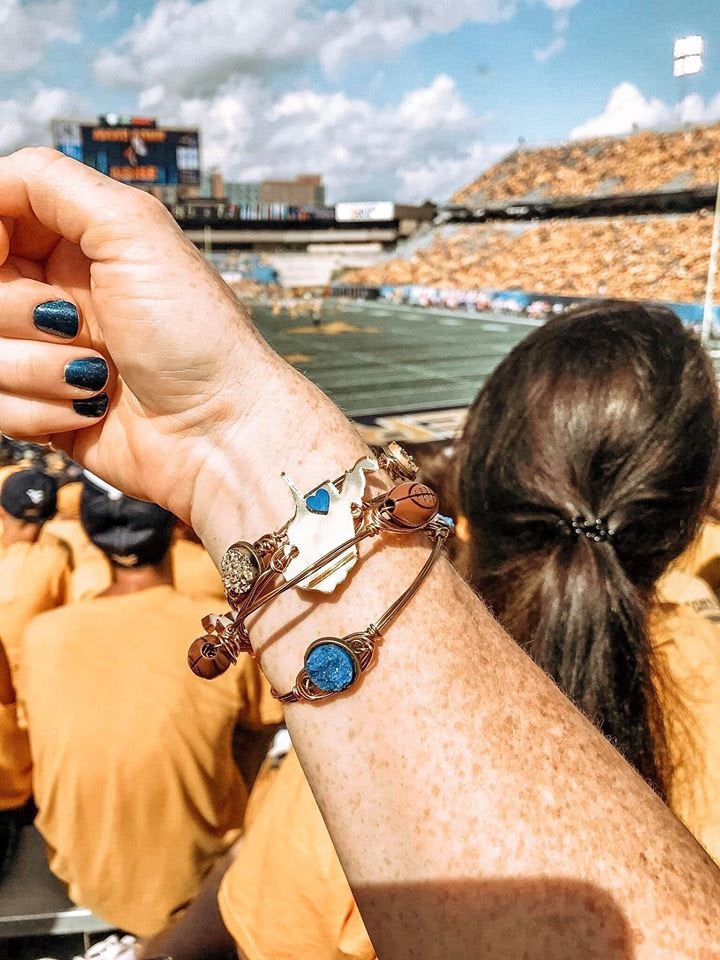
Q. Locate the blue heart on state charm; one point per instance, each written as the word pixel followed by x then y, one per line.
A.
pixel 318 502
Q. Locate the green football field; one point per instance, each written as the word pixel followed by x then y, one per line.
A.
pixel 377 359
pixel 402 372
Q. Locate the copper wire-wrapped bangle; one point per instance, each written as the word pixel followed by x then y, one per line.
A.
pixel 333 665
pixel 250 572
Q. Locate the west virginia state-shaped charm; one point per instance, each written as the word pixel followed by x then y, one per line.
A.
pixel 323 520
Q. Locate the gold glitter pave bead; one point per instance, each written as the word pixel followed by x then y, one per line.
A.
pixel 240 568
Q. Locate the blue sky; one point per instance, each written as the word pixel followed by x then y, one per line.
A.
pixel 387 98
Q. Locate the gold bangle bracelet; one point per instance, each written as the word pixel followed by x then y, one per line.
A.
pixel 251 570
pixel 333 665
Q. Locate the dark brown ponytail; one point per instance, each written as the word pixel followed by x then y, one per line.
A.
pixel 607 413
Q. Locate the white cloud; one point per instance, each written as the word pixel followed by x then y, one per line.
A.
pixel 546 53
pixel 109 11
pixel 194 47
pixel 426 144
pixel 561 22
pixel 25 121
pixel 437 178
pixel 213 42
pixel 27 28
pixel 370 29
pixel 557 6
pixel 627 109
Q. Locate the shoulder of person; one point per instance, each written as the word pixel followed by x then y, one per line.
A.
pixel 680 587
pixel 58 546
pixel 53 623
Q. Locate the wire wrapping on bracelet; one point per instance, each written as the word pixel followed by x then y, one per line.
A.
pixel 250 572
pixel 333 664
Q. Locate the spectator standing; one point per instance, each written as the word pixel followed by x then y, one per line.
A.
pixel 15 768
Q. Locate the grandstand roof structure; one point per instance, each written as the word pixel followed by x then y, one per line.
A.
pixel 646 163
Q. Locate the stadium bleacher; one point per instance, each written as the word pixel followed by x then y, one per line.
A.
pixel 659 256
pixel 642 162
pixel 645 258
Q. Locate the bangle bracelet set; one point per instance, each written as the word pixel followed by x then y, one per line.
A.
pixel 305 554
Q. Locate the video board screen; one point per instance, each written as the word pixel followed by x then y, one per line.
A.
pixel 133 151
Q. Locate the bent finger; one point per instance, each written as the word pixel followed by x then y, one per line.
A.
pixel 70 199
pixel 31 310
pixel 26 418
pixel 51 371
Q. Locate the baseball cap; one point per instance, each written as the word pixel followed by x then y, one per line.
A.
pixel 30 496
pixel 132 533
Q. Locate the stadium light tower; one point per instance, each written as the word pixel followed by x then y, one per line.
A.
pixel 688 55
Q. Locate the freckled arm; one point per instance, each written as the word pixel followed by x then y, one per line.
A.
pixel 476 812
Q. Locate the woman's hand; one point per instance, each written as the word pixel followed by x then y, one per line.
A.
pixel 120 282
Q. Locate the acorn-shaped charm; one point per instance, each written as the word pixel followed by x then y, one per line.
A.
pixel 409 506
pixel 207 659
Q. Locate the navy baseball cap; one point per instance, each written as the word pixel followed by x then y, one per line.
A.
pixel 130 532
pixel 30 496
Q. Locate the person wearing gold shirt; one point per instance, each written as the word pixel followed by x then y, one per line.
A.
pixel 33 573
pixel 134 778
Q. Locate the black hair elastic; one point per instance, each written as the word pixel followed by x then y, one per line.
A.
pixel 596 530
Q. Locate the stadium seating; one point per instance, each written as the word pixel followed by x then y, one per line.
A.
pixel 659 257
pixel 645 162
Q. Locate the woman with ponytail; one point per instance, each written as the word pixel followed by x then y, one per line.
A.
pixel 588 462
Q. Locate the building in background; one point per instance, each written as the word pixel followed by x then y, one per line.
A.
pixel 306 190
pixel 241 193
pixel 163 160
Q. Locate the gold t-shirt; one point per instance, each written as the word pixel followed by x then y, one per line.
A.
pixel 33 578
pixel 134 778
pixel 69 498
pixel 15 764
pixel 685 627
pixel 194 573
pixel 285 895
pixel 702 557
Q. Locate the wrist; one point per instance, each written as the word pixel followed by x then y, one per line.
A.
pixel 293 428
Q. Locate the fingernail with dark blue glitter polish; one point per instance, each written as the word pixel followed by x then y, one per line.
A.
pixel 90 373
pixel 59 317
pixel 94 407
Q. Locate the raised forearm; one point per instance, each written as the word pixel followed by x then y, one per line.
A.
pixel 459 785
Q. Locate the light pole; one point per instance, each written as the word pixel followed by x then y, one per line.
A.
pixel 688 55
pixel 687 60
pixel 707 320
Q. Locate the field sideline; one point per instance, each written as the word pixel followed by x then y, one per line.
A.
pixel 377 358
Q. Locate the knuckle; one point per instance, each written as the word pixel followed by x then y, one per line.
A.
pixel 38 156
pixel 151 205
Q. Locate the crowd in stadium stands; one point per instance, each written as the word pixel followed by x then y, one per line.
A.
pixel 79 562
pixel 645 162
pixel 644 258
pixel 650 257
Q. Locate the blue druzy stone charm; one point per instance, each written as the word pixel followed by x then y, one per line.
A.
pixel 330 666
